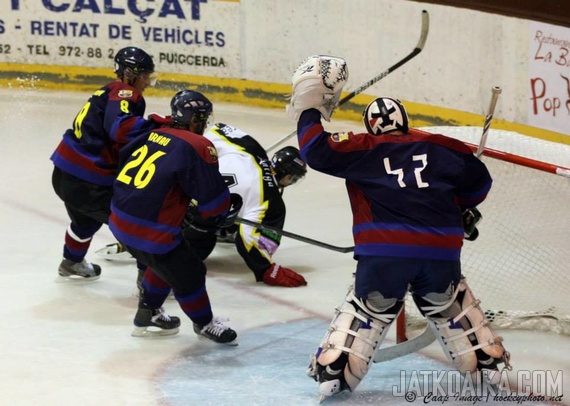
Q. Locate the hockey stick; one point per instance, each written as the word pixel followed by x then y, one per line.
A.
pixel 496 91
pixel 405 348
pixel 417 50
pixel 294 236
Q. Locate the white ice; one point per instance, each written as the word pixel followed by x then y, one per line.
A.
pixel 70 344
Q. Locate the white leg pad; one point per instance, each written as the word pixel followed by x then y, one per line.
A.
pixel 461 327
pixel 356 330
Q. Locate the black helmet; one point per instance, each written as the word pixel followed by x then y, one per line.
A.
pixel 188 106
pixel 132 61
pixel 287 161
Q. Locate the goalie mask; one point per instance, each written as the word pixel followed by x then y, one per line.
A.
pixel 384 115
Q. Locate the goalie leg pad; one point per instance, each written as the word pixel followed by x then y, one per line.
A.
pixel 462 329
pixel 355 333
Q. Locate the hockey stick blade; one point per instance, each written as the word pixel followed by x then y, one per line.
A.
pixel 293 236
pixel 405 348
pixel 419 47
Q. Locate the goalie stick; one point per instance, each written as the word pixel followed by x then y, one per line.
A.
pixel 364 86
pixel 297 237
pixel 407 347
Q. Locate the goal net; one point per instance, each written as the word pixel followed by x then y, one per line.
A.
pixel 519 267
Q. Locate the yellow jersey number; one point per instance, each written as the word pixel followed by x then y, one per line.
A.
pixel 145 165
pixel 124 106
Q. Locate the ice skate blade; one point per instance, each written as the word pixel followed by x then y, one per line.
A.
pixel 233 343
pixel 153 332
pixel 79 280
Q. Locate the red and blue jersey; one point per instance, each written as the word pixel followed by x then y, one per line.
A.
pixel 87 150
pixel 161 172
pixel 406 191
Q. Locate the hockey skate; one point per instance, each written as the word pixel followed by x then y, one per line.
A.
pixel 154 322
pixel 217 332
pixel 331 378
pixel 489 373
pixel 79 271
pixel 114 252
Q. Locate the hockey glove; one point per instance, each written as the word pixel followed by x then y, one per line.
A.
pixel 471 217
pixel 194 224
pixel 160 120
pixel 317 84
pixel 278 276
pixel 211 225
pixel 235 206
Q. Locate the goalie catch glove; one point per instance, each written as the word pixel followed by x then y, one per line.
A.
pixel 471 217
pixel 317 84
pixel 211 225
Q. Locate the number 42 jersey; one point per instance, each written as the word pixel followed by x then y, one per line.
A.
pixel 406 191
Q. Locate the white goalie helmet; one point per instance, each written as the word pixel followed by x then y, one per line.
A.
pixel 385 114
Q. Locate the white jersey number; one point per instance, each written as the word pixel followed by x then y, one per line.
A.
pixel 399 172
pixel 230 179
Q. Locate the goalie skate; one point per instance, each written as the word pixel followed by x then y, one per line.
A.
pixel 114 252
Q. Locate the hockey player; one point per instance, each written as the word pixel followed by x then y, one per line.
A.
pixel 161 172
pixel 413 197
pixel 85 161
pixel 248 172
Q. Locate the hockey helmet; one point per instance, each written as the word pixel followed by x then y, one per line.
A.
pixel 190 107
pixel 287 161
pixel 130 62
pixel 385 114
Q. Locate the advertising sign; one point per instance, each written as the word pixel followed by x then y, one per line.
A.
pixel 198 37
pixel 549 77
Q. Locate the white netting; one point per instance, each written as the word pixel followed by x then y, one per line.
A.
pixel 520 265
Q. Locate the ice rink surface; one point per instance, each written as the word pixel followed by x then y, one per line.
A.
pixel 70 344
